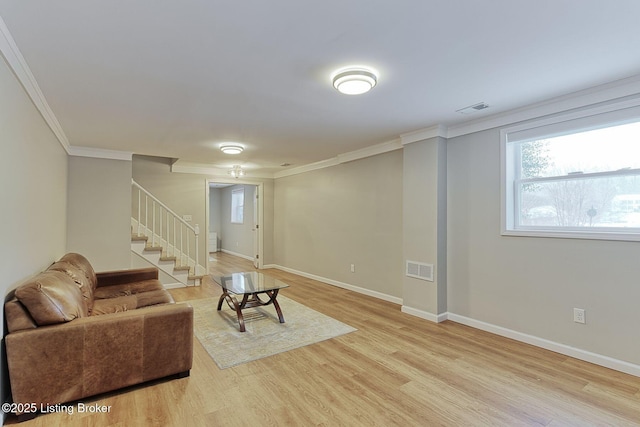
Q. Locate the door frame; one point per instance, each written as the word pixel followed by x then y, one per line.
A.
pixel 259 235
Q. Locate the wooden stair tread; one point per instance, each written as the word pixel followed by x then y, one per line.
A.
pixel 164 257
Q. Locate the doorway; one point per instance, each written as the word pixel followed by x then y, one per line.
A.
pixel 234 217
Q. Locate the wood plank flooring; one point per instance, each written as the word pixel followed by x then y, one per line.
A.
pixel 395 370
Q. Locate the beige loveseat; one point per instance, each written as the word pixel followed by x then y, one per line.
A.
pixel 73 333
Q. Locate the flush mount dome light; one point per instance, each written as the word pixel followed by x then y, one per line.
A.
pixel 231 148
pixel 354 80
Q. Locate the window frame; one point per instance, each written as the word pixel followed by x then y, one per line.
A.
pixel 601 116
pixel 238 208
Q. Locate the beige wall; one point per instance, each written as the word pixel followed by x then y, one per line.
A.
pixel 215 212
pixel 185 194
pixel 424 223
pixel 328 219
pixel 531 285
pixel 33 178
pixel 99 211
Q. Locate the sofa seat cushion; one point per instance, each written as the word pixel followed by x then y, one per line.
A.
pixel 131 302
pixel 125 289
pixel 79 277
pixel 52 297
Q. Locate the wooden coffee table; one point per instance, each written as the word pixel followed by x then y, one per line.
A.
pixel 249 285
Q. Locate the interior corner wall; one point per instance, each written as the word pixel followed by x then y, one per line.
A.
pixel 99 211
pixel 424 223
pixel 351 213
pixel 531 285
pixel 33 178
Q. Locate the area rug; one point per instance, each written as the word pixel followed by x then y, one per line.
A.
pixel 219 333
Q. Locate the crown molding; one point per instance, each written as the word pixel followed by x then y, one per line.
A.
pixel 99 153
pixel 372 150
pixel 18 64
pixel 607 92
pixel 204 169
pixel 349 156
pixel 307 168
pixel 598 94
pixel 422 134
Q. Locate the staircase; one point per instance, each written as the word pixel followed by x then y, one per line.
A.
pixel 164 239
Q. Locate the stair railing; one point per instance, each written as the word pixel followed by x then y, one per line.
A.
pixel 163 226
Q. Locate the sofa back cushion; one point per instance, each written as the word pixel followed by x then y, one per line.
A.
pixel 80 279
pixel 52 297
pixel 83 264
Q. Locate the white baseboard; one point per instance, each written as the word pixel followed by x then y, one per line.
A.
pixel 236 254
pixel 437 318
pixel 587 356
pixel 174 285
pixel 342 285
pixel 598 359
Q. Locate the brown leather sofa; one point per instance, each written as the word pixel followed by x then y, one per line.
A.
pixel 73 333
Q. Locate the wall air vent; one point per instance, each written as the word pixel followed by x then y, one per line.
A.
pixel 473 108
pixel 419 270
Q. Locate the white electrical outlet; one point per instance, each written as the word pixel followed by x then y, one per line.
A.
pixel 579 315
pixel 187 218
pixel 353 268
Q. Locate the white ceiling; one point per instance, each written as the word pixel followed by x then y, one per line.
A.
pixel 177 78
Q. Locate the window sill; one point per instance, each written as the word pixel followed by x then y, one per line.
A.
pixel 601 235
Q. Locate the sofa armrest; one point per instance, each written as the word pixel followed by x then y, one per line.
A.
pixel 92 355
pixel 118 277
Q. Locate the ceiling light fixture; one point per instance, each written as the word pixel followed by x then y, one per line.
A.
pixel 354 80
pixel 231 148
pixel 237 171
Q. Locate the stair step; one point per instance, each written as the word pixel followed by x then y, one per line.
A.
pixel 195 277
pixel 168 258
pixel 153 248
pixel 181 268
pixel 138 238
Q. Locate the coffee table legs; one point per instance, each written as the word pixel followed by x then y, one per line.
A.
pixel 249 301
pixel 272 298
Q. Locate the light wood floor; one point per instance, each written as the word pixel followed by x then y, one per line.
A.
pixel 395 370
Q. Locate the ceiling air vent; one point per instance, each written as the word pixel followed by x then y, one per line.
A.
pixel 473 108
pixel 419 270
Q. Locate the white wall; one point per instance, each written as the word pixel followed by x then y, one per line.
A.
pixel 33 178
pixel 531 285
pixel 328 219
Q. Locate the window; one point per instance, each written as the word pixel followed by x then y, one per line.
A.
pixel 237 206
pixel 573 177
